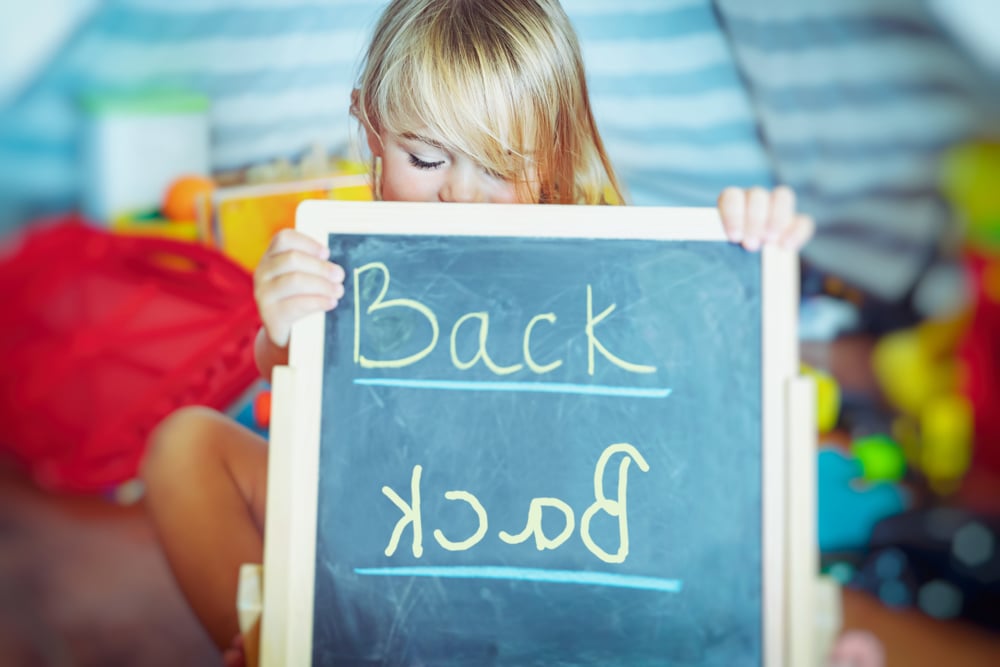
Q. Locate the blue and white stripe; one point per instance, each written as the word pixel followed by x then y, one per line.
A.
pixel 858 100
pixel 674 113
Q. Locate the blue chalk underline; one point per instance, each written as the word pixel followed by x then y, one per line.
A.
pixel 539 387
pixel 529 574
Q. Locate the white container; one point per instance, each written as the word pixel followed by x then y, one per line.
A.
pixel 135 146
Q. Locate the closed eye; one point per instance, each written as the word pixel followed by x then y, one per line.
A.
pixel 420 164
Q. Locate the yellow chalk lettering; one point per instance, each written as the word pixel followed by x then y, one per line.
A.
pixel 484 328
pixel 380 304
pixel 594 343
pixel 534 525
pixel 477 536
pixel 615 508
pixel 411 514
pixel 551 319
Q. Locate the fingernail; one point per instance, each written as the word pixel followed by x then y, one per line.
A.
pixel 752 244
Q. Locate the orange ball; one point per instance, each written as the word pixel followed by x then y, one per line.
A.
pixel 181 201
pixel 262 409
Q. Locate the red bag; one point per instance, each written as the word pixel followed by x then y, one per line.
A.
pixel 101 336
pixel 980 349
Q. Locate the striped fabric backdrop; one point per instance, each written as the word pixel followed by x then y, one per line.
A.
pixel 846 103
pixel 857 102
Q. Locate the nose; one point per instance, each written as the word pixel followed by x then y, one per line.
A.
pixel 462 185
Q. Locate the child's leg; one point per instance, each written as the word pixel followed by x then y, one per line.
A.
pixel 206 479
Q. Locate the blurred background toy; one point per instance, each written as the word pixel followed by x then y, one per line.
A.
pixel 849 505
pixel 187 198
pixel 253 410
pixel 135 145
pixel 244 218
pixel 944 561
pixel 972 174
pixel 881 458
pixel 827 398
pixel 943 375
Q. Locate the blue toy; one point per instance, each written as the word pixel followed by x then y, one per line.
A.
pixel 849 506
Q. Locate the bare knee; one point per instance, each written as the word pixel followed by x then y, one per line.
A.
pixel 195 451
pixel 181 442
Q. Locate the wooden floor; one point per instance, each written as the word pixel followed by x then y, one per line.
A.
pixel 83 584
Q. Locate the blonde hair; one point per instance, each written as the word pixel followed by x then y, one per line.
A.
pixel 501 81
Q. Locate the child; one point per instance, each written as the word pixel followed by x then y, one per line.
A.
pixel 481 101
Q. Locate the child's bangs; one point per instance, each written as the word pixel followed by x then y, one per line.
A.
pixel 465 106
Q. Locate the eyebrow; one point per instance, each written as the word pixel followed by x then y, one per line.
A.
pixel 426 140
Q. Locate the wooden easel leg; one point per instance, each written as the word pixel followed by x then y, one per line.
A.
pixel 829 616
pixel 248 607
pixel 813 602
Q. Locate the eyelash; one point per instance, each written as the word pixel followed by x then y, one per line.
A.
pixel 420 164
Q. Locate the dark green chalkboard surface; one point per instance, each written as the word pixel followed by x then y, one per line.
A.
pixel 535 448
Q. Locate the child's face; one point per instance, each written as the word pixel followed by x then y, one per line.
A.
pixel 417 167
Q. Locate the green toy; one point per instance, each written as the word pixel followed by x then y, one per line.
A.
pixel 881 458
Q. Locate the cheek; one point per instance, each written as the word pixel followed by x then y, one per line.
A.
pixel 398 181
pixel 506 192
pixel 521 194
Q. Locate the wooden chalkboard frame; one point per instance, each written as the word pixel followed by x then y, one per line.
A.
pixel 288 579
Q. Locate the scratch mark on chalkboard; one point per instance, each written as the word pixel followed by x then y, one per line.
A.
pixel 529 574
pixel 404 606
pixel 376 398
pixel 538 387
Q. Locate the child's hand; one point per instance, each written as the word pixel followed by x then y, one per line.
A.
pixel 754 217
pixel 293 280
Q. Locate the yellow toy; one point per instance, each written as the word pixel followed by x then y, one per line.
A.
pixel 946 441
pixel 945 402
pixel 246 217
pixel 827 398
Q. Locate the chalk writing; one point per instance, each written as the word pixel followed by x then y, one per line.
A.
pixel 618 508
pixel 380 303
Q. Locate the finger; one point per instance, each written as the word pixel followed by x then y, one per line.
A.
pixel 732 209
pixel 295 261
pixel 758 207
pixel 799 233
pixel 782 213
pixel 279 317
pixel 291 239
pixel 289 285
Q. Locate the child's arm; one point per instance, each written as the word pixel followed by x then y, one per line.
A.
pixel 757 216
pixel 292 280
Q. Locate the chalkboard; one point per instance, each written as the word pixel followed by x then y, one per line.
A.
pixel 538 435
